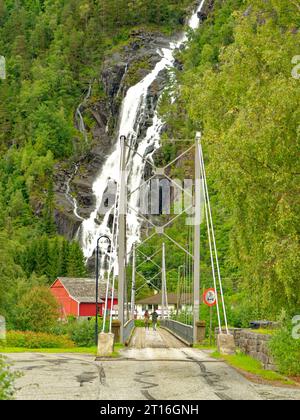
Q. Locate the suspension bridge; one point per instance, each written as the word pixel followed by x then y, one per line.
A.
pixel 156 365
pixel 145 258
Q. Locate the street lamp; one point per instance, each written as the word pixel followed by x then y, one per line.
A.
pixel 103 241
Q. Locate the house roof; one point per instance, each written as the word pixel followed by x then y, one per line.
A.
pixel 84 290
pixel 186 298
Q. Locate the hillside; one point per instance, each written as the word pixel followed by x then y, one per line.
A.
pixel 69 66
pixel 55 51
pixel 237 87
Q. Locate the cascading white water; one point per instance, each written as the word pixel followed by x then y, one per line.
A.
pixel 72 200
pixel 133 109
pixel 79 117
pixel 81 127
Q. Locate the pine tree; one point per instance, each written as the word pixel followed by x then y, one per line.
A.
pixel 76 263
pixel 64 257
pixel 42 257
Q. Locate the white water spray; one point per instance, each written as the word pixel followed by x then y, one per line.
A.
pixel 79 116
pixel 72 200
pixel 132 112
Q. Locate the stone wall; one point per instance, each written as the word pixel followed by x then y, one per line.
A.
pixel 255 345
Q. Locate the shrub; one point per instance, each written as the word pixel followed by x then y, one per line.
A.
pixel 286 351
pixel 7 379
pixel 32 340
pixel 83 332
pixel 37 310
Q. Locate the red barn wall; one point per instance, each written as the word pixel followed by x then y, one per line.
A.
pixel 89 309
pixel 68 305
pixel 71 307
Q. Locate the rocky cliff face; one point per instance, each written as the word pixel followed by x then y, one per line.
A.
pixel 120 70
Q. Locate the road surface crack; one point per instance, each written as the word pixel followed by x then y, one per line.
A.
pixel 211 379
pixel 145 376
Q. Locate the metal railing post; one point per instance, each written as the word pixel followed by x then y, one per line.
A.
pixel 133 282
pixel 164 282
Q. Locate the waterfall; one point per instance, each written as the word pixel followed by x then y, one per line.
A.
pixel 81 127
pixel 132 112
pixel 72 200
pixel 79 117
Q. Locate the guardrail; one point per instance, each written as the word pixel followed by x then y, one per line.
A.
pixel 183 331
pixel 128 330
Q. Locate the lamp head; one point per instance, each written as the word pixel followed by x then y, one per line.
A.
pixel 105 244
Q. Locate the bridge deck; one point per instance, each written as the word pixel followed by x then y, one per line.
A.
pixel 160 339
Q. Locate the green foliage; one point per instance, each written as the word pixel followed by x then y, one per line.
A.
pixel 53 257
pixel 237 88
pixel 53 50
pixel 92 351
pixel 83 333
pixel 34 340
pixel 286 351
pixel 75 261
pixel 248 364
pixel 133 75
pixel 37 310
pixel 7 378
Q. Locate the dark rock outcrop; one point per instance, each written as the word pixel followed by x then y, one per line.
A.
pixel 120 70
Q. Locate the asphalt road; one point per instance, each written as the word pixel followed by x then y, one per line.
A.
pixel 145 373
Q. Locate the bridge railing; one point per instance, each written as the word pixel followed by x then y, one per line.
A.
pixel 128 330
pixel 183 331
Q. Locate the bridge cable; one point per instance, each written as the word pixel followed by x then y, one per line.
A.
pixel 212 233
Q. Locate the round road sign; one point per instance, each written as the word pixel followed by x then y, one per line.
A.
pixel 210 297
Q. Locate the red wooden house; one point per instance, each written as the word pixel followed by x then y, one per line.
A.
pixel 77 297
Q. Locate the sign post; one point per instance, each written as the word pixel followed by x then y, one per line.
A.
pixel 210 300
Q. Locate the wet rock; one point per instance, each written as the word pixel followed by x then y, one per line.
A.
pixel 66 221
pixel 144 48
pixel 150 149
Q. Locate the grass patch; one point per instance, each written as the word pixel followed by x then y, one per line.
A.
pixel 252 366
pixel 206 345
pixel 264 331
pixel 78 350
pixel 116 353
pixel 75 350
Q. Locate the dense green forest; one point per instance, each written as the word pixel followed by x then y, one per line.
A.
pixel 237 87
pixel 53 50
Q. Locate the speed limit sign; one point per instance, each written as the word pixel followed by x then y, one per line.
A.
pixel 210 297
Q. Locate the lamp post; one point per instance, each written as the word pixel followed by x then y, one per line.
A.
pixel 107 243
